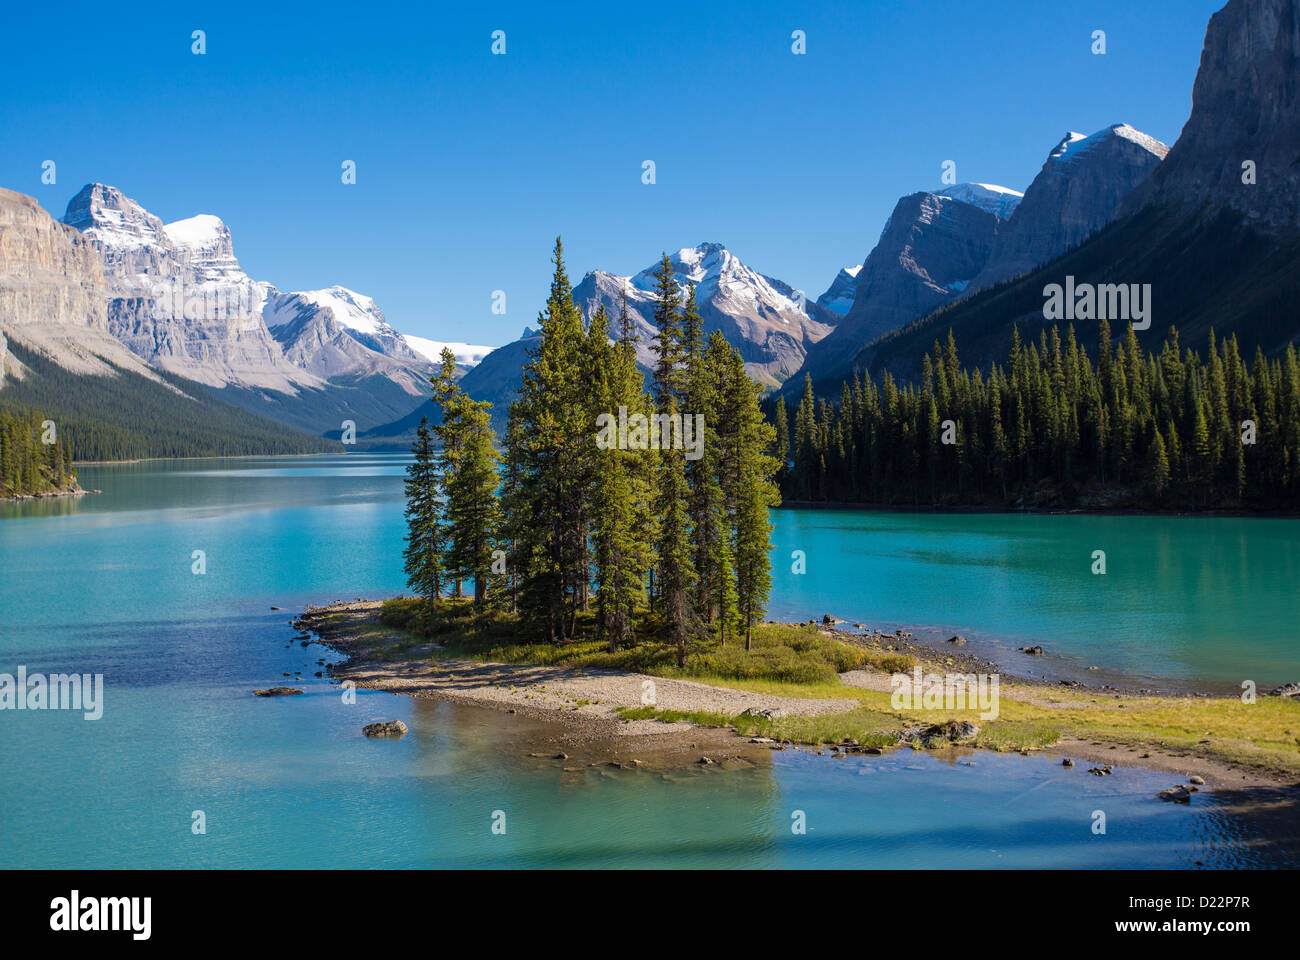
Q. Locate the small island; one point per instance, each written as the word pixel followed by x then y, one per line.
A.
pixel 816 685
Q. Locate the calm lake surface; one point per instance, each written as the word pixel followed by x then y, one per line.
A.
pixel 104 584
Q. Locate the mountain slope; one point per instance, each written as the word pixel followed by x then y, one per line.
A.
pixel 839 295
pixel 931 247
pixel 1073 196
pixel 1227 259
pixel 129 415
pixel 1245 107
pixel 177 296
pixel 53 295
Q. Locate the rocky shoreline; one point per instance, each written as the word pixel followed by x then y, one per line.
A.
pixel 51 495
pixel 583 705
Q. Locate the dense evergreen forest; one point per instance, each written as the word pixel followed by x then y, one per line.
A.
pixel 34 459
pixel 636 512
pixel 129 417
pixel 1164 430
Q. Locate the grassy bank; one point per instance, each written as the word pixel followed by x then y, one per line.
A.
pixel 793 654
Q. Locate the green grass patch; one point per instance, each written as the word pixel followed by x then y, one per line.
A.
pixel 783 653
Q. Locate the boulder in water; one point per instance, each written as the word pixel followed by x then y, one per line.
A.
pixel 393 728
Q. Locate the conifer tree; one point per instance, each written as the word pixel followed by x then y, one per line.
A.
pixel 554 441
pixel 676 570
pixel 473 514
pixel 620 512
pixel 754 494
pixel 423 554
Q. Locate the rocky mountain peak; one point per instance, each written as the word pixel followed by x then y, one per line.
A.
pixel 113 220
pixel 1245 111
pixel 1075 194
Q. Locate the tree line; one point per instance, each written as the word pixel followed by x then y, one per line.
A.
pixel 644 506
pixel 1165 429
pixel 34 460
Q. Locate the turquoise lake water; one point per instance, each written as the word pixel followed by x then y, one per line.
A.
pixel 104 585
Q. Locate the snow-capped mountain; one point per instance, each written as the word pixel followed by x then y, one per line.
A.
pixel 839 295
pixel 177 296
pixel 1075 194
pixel 1217 249
pixel 991 198
pixel 768 321
pixel 53 296
pixel 932 246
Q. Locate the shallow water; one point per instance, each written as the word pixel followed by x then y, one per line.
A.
pixel 104 584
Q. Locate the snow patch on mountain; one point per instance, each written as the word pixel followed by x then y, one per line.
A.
pixel 839 295
pixel 989 197
pixel 468 355
pixel 353 310
pixel 1074 146
pixel 201 231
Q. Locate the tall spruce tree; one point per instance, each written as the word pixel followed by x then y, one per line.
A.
pixel 753 492
pixel 620 494
pixel 676 570
pixel 423 555
pixel 473 514
pixel 552 440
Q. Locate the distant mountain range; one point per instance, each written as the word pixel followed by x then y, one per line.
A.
pixel 1213 224
pixel 118 292
pixel 178 299
pixel 939 248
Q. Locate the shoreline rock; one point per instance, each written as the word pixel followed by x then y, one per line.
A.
pixel 390 728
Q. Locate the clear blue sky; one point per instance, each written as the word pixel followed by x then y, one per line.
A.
pixel 469 164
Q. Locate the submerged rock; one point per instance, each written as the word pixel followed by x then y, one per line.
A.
pixel 957 640
pixel 393 728
pixel 277 692
pixel 1033 651
pixel 1179 793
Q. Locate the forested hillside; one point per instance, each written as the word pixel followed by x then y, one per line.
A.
pixel 129 417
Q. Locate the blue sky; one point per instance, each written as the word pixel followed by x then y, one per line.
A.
pixel 469 164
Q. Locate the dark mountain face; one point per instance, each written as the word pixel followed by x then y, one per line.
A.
pixel 930 249
pixel 1074 195
pixel 1245 120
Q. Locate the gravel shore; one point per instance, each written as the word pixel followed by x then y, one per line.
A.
pixel 574 696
